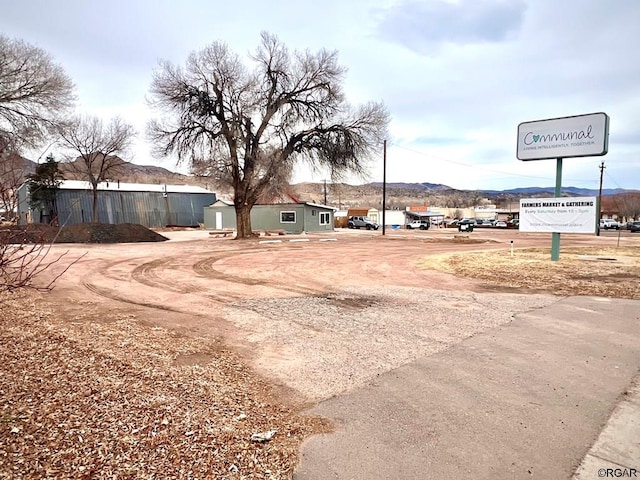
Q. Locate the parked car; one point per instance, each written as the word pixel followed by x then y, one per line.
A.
pixel 635 227
pixel 628 225
pixel 418 225
pixel 608 224
pixel 500 224
pixel 362 222
pixel 466 225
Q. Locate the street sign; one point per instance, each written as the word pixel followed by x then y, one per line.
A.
pixel 566 137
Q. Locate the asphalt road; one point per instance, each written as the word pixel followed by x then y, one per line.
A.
pixel 525 400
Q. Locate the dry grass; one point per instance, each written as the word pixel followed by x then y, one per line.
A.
pixel 113 398
pixel 611 272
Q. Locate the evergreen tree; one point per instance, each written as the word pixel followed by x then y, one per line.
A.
pixel 44 185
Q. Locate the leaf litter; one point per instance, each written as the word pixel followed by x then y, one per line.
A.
pixel 105 398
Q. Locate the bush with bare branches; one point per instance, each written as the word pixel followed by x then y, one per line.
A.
pixel 22 260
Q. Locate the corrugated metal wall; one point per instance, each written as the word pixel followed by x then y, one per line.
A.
pixel 151 209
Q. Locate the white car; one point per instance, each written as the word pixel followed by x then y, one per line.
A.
pixel 608 224
pixel 500 224
pixel 418 225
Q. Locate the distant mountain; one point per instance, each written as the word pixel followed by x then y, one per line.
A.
pixel 131 172
pixel 128 172
pixel 423 187
pixel 536 191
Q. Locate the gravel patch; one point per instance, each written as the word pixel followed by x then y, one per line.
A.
pixel 361 332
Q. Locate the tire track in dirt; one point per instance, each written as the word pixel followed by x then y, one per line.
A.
pixel 297 281
pixel 205 267
pixel 148 274
pixel 143 273
pixel 110 295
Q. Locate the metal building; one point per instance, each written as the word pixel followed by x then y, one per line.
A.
pixel 151 205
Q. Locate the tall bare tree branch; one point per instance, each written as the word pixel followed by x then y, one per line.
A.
pixel 35 94
pixel 13 172
pixel 247 127
pixel 96 149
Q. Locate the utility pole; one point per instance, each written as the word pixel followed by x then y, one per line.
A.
pixel 384 184
pixel 325 191
pixel 602 167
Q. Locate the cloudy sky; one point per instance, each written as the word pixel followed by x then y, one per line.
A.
pixel 457 75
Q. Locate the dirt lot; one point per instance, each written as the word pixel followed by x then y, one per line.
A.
pixel 146 357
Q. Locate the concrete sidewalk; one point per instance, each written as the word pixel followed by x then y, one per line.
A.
pixel 525 400
pixel 616 453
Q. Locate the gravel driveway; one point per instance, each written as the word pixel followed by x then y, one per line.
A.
pixel 323 345
pixel 317 317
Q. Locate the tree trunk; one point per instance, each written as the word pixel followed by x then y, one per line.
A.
pixel 94 215
pixel 54 210
pixel 243 220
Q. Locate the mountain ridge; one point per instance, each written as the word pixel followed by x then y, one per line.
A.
pixel 134 173
pixel 424 186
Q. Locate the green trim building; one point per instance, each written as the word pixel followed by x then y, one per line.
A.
pixel 290 217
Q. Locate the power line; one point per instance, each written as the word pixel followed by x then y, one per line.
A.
pixel 613 180
pixel 509 174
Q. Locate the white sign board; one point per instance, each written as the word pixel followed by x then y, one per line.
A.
pixel 559 215
pixel 579 136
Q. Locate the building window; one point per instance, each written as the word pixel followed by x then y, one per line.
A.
pixel 313 213
pixel 325 218
pixel 287 217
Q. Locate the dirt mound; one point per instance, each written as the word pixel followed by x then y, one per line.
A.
pixel 80 233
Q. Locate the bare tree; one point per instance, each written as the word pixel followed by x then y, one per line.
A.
pixel 34 93
pixel 98 148
pixel 453 200
pixel 474 198
pixel 13 172
pixel 251 126
pixel 629 205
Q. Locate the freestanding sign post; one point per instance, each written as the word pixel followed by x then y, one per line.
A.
pixel 555 236
pixel 565 137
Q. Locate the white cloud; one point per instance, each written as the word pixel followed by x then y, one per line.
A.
pixel 457 76
pixel 424 26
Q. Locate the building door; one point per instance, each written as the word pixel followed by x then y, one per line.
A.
pixel 218 220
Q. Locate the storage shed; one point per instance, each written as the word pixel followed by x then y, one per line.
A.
pixel 151 205
pixel 290 217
